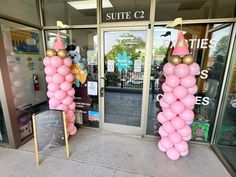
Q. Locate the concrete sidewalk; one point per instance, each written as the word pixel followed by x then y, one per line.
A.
pixel 98 154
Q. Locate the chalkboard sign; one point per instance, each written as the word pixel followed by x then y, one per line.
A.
pixel 49 131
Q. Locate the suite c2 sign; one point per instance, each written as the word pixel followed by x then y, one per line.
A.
pixel 114 16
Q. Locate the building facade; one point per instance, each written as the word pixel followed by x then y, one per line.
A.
pixel 118 50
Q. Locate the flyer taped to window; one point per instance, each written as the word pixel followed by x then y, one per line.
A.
pixel 92 88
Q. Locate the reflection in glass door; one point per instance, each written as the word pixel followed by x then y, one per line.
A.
pixel 124 57
pixel 226 130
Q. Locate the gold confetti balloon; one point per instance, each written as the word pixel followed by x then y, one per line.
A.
pixel 188 59
pixel 62 53
pixel 175 60
pixel 51 53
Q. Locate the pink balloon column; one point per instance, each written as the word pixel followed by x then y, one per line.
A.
pixel 59 79
pixel 178 101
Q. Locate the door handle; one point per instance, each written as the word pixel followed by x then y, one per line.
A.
pixel 104 78
pixel 102 92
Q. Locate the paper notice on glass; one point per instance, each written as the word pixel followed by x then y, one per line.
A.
pixel 92 57
pixel 137 66
pixel 93 116
pixel 110 65
pixel 92 88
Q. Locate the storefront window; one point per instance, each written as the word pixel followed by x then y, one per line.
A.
pixel 208 43
pixel 204 9
pixel 122 10
pixel 80 12
pixel 226 131
pixel 22 10
pixel 82 48
pixel 25 66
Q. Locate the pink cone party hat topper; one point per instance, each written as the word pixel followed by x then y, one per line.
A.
pixel 58 44
pixel 181 47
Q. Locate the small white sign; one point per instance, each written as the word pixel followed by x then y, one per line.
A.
pixel 92 57
pixel 92 88
pixel 110 66
pixel 137 66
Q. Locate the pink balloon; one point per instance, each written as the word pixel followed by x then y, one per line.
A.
pixel 57 78
pixel 72 106
pixel 188 81
pixel 180 92
pixel 70 126
pixel 67 62
pixel 166 88
pixel 187 138
pixel 169 98
pixel 168 68
pixel 60 94
pixel 63 70
pixel 66 86
pixel 161 147
pixel 53 87
pixel 50 94
pixel 166 143
pixel 163 104
pixel 73 132
pixel 56 61
pixel 175 137
pixel 168 114
pixel 69 77
pixel 187 115
pixel 54 102
pixel 67 101
pixel 186 131
pixel 172 81
pixel 71 119
pixel 46 61
pixel 62 107
pixel 161 118
pixel 173 154
pixel 181 146
pixel 182 70
pixel 189 100
pixel 185 153
pixel 167 127
pixel 177 107
pixel 69 113
pixel 194 69
pixel 178 123
pixel 49 70
pixel 71 92
pixel 189 122
pixel 48 79
pixel 193 90
pixel 52 107
pixel 162 132
pixel 190 107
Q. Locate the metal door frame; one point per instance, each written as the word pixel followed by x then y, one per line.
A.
pixel 124 129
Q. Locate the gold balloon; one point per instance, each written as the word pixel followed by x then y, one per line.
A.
pixel 51 53
pixel 62 53
pixel 188 59
pixel 175 60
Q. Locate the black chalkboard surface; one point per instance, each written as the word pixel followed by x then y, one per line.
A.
pixel 49 131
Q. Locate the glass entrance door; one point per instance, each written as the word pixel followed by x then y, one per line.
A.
pixel 122 82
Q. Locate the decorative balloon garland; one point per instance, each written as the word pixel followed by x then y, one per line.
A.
pixel 59 78
pixel 178 101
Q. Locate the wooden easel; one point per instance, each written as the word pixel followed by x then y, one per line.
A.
pixel 36 141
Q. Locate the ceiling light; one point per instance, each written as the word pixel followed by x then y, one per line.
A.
pixel 88 4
